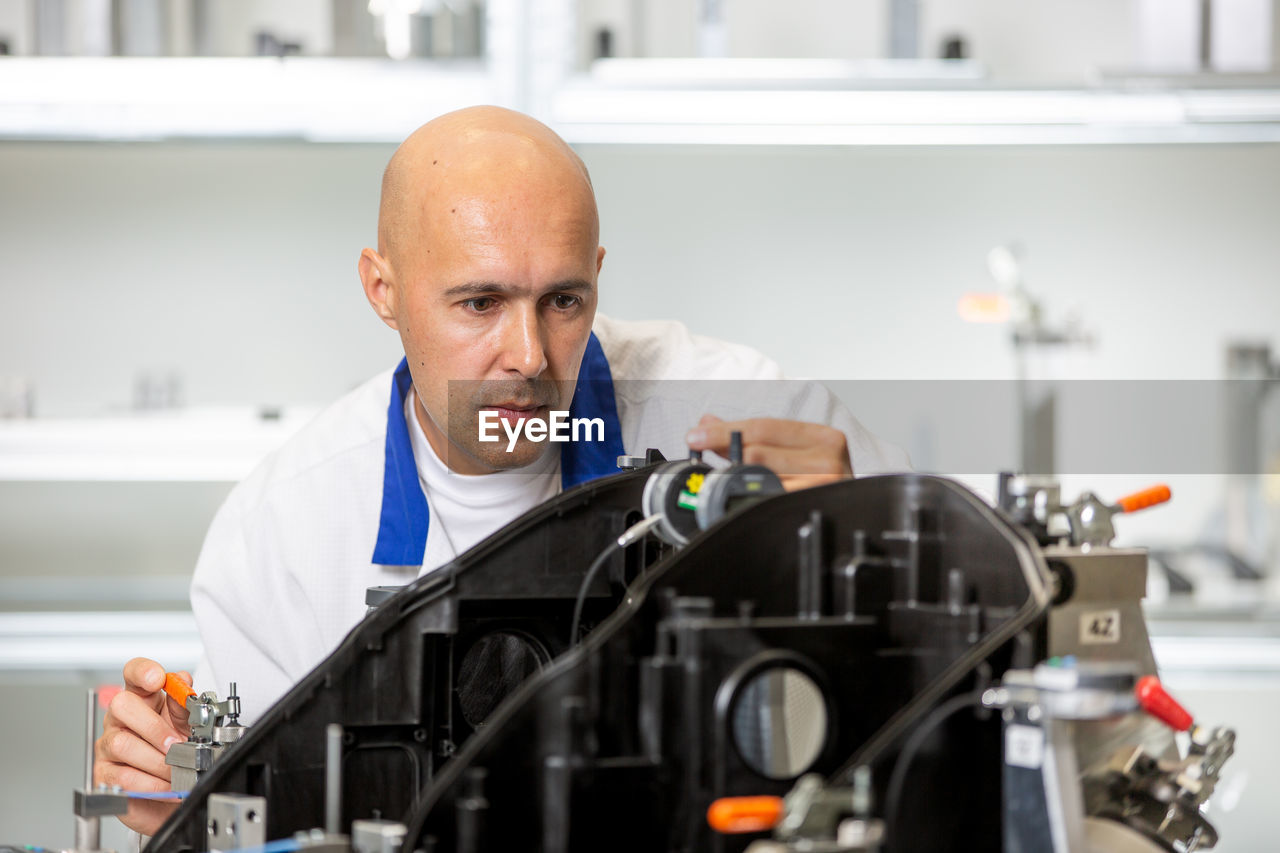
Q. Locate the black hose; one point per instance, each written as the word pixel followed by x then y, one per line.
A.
pixel 898 778
pixel 902 721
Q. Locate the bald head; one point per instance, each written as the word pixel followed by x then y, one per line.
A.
pixel 473 155
pixel 488 266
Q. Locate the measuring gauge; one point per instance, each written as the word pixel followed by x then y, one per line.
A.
pixel 673 493
pixel 729 489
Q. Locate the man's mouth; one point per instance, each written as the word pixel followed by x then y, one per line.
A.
pixel 516 412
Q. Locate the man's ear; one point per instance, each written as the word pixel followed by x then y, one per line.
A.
pixel 599 258
pixel 375 273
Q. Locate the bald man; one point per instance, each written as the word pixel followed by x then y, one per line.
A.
pixel 487 267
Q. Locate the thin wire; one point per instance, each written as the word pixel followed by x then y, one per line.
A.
pixel 586 583
pixel 630 536
pixel 898 778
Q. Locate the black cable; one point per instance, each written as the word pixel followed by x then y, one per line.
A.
pixel 898 778
pixel 614 545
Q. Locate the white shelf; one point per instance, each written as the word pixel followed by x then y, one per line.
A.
pixel 1214 654
pixel 189 445
pixel 769 73
pixel 96 642
pixel 651 102
pixel 319 100
pixel 592 111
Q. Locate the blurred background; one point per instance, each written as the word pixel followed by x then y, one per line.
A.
pixel 1005 202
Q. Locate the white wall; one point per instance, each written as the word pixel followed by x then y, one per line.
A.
pixel 235 263
pixel 1041 40
pixel 16 26
pixel 848 263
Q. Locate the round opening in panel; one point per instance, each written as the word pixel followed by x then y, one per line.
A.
pixel 780 722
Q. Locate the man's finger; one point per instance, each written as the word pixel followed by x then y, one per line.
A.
pixel 775 432
pixel 789 462
pixel 143 676
pixel 121 746
pixel 795 484
pixel 130 711
pixel 129 778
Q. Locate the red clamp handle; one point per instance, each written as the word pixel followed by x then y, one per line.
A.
pixel 1145 498
pixel 730 815
pixel 1159 704
pixel 177 688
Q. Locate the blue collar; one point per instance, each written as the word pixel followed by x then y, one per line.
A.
pixel 402 530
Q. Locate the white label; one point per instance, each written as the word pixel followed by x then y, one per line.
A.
pixel 1100 626
pixel 1024 747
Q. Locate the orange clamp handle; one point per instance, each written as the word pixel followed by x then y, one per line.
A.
pixel 177 688
pixel 1145 498
pixel 1159 704
pixel 732 815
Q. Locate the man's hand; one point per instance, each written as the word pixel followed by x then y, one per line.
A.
pixel 801 454
pixel 142 722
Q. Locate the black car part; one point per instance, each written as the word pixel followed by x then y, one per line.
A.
pixel 804 633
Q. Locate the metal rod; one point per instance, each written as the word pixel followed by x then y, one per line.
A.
pixel 88 834
pixel 333 778
pixel 735 447
pixel 810 568
pixel 1206 35
pixel 90 730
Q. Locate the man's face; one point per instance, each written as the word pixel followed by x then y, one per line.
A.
pixel 494 305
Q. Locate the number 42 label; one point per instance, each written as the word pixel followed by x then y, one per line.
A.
pixel 1100 626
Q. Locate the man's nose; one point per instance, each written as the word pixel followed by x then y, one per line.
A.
pixel 523 351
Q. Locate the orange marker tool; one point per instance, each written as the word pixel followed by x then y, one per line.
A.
pixel 177 688
pixel 731 815
pixel 1145 498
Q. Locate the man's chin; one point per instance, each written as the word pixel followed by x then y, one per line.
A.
pixel 496 458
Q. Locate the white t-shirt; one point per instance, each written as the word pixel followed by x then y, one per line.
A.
pixel 282 575
pixel 467 508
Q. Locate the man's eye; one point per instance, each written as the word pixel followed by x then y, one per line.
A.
pixel 479 303
pixel 564 301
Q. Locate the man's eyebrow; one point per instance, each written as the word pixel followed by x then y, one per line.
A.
pixel 493 288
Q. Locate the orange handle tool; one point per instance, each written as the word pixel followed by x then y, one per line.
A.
pixel 730 815
pixel 177 688
pixel 1145 498
pixel 1159 704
